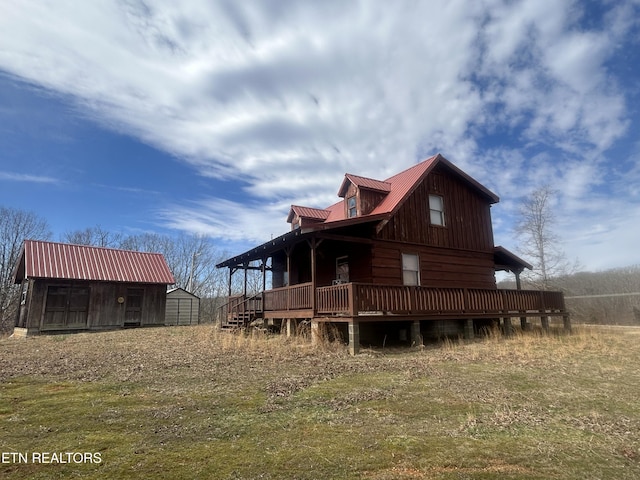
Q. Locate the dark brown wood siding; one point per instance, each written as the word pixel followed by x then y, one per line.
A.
pixel 467 216
pixel 104 310
pixel 439 267
pixel 357 256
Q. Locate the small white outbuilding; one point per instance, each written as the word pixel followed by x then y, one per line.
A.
pixel 183 308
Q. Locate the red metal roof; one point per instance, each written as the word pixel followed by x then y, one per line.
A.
pixel 363 182
pixel 41 259
pixel 402 184
pixel 400 187
pixel 307 212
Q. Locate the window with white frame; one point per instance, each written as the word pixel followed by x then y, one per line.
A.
pixel 410 269
pixel 352 210
pixel 436 210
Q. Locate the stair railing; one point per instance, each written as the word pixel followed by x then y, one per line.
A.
pixel 246 309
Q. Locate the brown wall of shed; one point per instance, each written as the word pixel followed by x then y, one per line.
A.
pixel 104 311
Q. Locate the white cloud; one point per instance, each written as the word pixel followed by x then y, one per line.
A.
pixel 26 177
pixel 290 96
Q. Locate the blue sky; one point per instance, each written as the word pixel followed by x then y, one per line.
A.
pixel 214 117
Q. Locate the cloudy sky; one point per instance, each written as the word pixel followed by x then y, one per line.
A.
pixel 215 116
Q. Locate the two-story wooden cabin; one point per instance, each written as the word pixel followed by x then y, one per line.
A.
pixel 392 261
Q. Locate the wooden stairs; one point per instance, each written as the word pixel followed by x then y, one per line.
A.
pixel 241 312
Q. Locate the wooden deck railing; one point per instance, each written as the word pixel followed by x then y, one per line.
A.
pixel 295 297
pixel 353 299
pixel 361 299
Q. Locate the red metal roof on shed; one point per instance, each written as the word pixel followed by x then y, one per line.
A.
pixel 81 262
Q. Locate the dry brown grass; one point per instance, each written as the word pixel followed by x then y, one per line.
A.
pixel 195 402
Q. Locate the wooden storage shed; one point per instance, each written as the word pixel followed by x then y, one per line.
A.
pixel 183 308
pixel 77 287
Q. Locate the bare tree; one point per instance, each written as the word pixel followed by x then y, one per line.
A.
pixel 96 236
pixel 192 260
pixel 15 226
pixel 538 240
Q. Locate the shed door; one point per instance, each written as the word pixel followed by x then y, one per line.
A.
pixel 66 307
pixel 133 308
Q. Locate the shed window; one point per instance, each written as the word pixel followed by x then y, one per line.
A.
pixel 410 269
pixel 352 210
pixel 436 210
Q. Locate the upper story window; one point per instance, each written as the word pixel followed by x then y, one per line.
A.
pixel 436 210
pixel 352 210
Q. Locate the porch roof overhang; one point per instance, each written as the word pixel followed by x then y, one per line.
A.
pixel 295 236
pixel 506 260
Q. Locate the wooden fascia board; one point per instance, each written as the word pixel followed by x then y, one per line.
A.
pixel 20 265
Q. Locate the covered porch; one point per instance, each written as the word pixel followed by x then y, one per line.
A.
pixel 355 303
pixel 337 277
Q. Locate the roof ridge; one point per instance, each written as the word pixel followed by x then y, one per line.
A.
pixel 82 245
pixel 415 165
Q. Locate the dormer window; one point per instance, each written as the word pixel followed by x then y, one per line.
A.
pixel 352 209
pixel 362 195
pixel 436 210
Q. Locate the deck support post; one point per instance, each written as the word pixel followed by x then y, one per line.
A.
pixel 354 337
pixel 416 337
pixel 316 332
pixel 544 319
pixel 290 327
pixel 524 324
pixel 566 320
pixel 507 326
pixel 468 329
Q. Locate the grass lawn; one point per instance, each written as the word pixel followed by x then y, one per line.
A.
pixel 192 402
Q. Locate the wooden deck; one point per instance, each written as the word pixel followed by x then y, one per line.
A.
pixel 367 302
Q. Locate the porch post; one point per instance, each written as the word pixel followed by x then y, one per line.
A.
pixel 264 274
pixel 354 337
pixel 523 320
pixel 287 251
pixel 566 320
pixel 416 337
pixel 230 275
pixel 312 243
pixel 246 269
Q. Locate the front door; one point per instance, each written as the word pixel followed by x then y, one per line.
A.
pixel 66 307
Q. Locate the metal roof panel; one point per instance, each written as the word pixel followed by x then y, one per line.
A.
pixel 82 262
